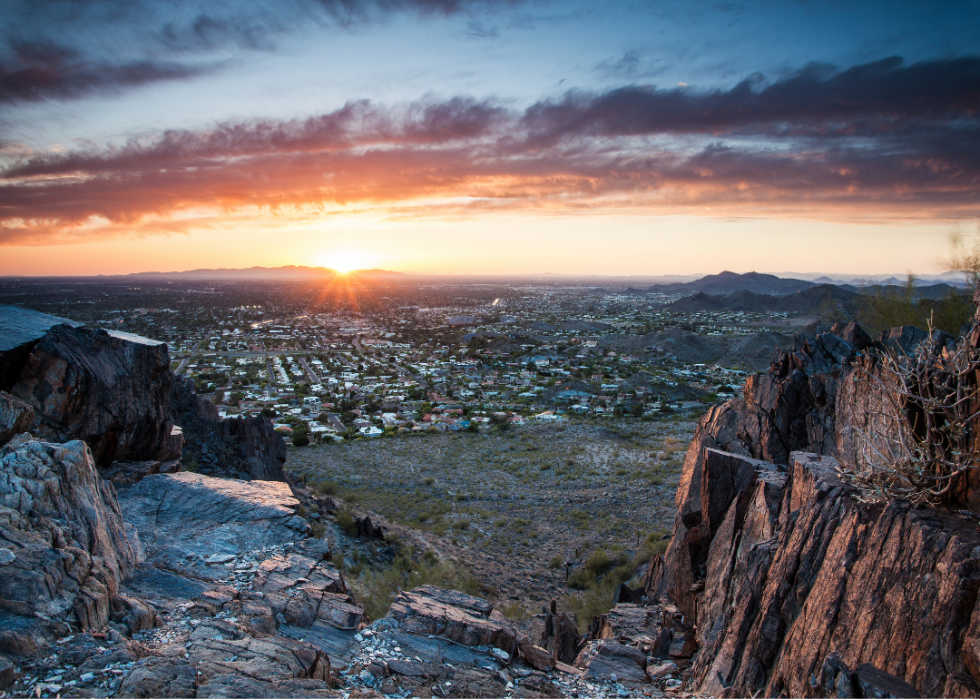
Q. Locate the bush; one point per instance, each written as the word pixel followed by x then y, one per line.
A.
pixel 345 520
pixel 375 589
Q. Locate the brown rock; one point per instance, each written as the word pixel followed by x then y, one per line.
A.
pixel 535 656
pixel 7 673
pixel 459 617
pixel 800 569
pixel 110 390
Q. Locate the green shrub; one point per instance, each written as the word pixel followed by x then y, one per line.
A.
pixel 345 520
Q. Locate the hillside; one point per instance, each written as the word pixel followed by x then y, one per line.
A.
pixel 730 282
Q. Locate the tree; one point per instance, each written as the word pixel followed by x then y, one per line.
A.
pixel 964 259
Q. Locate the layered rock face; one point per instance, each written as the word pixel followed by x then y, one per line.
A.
pixel 237 447
pixel 112 391
pixel 791 584
pixel 65 546
pixel 786 568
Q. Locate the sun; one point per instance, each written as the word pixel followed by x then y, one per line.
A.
pixel 346 261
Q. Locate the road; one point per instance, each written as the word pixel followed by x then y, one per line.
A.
pixel 309 372
pixel 187 357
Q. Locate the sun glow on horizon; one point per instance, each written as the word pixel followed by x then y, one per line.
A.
pixel 345 261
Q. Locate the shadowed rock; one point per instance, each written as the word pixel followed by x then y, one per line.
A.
pixel 241 447
pixel 16 416
pixel 109 389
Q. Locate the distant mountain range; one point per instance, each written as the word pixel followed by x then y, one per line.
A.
pixel 809 300
pixel 288 273
pixel 731 282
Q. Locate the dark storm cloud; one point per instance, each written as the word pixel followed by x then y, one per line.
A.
pixel 46 70
pixel 874 140
pixel 52 49
pixel 885 91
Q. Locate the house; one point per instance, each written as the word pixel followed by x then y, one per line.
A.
pixel 371 431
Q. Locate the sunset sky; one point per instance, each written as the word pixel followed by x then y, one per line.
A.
pixel 484 137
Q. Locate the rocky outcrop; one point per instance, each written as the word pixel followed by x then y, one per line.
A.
pixel 109 390
pixel 242 447
pixel 20 331
pixel 65 547
pixel 16 416
pixel 784 580
pixel 460 617
pixel 188 519
pixel 784 569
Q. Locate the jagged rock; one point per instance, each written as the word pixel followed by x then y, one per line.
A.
pixel 709 483
pixel 366 529
pixel 20 331
pixel 632 622
pixel 243 447
pixel 536 656
pixel 799 568
pixel 64 524
pixel 260 658
pixel 454 615
pixel 135 614
pixel 16 416
pixel 110 390
pixel 129 472
pixel 160 677
pixel 307 592
pixel 183 518
pixel 616 661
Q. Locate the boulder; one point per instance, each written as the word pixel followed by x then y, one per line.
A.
pixel 242 447
pixel 616 662
pixel 454 615
pixel 535 656
pixel 63 525
pixel 109 389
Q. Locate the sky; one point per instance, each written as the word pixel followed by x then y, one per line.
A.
pixel 488 136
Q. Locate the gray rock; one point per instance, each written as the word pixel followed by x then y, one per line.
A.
pixel 16 416
pixel 72 548
pixel 184 515
pixel 160 677
pixel 7 557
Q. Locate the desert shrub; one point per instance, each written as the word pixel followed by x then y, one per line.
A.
pixel 318 529
pixel 345 520
pixel 375 589
pixel 326 487
pixel 514 610
pixel 918 438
